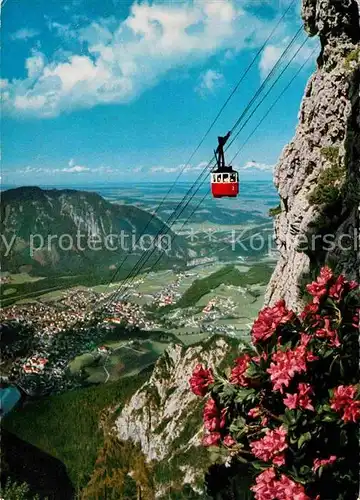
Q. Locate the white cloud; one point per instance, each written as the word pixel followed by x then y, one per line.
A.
pixel 117 62
pixel 77 169
pixel 272 53
pixel 209 81
pixel 253 165
pixel 137 170
pixel 163 170
pixel 35 64
pixel 24 34
pixel 268 58
pixel 72 168
pixel 179 168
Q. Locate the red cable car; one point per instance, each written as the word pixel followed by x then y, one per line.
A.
pixel 224 180
pixel 225 183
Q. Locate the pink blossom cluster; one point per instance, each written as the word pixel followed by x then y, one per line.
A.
pixel 268 487
pixel 324 285
pixel 200 380
pixel 344 402
pixel 309 310
pixel 258 412
pixel 285 364
pixel 238 373
pixel 301 399
pixel 214 421
pixel 269 319
pixel 272 446
pixel 327 332
pixel 318 288
pixel 322 462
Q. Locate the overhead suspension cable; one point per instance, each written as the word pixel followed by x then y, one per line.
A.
pixel 140 265
pixel 250 135
pixel 205 135
pixel 142 261
pixel 255 128
pixel 267 93
pixel 273 105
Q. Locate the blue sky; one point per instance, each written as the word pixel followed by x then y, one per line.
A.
pixel 115 90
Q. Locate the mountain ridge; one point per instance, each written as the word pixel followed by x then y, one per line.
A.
pixel 37 220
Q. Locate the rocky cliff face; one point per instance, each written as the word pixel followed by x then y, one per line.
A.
pixel 164 418
pixel 318 173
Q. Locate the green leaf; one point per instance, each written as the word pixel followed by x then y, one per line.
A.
pixel 342 371
pixel 253 370
pixel 242 394
pixel 289 417
pixel 330 418
pixel 214 453
pixel 305 469
pixel 258 466
pixel 237 425
pixel 343 438
pixel 303 438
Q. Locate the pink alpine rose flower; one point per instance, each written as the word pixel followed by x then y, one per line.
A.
pixel 271 446
pixel 254 412
pixel 287 489
pixel 327 333
pixel 214 419
pixel 318 288
pixel 301 399
pixel 268 487
pixel 238 373
pixel 309 310
pixel 265 485
pixel 200 380
pixel 211 439
pixel 268 321
pixel 285 364
pixel 343 402
pixel 229 441
pixel 337 289
pixel 343 394
pixel 352 412
pixel 322 462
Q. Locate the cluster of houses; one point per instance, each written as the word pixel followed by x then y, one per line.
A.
pixel 35 364
pixel 48 318
pixel 209 306
pixel 128 313
pixel 169 294
pixel 49 359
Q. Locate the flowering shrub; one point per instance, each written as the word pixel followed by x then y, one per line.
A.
pixel 290 406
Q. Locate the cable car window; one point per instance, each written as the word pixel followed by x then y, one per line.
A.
pixel 233 178
pixel 218 178
pixel 226 177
